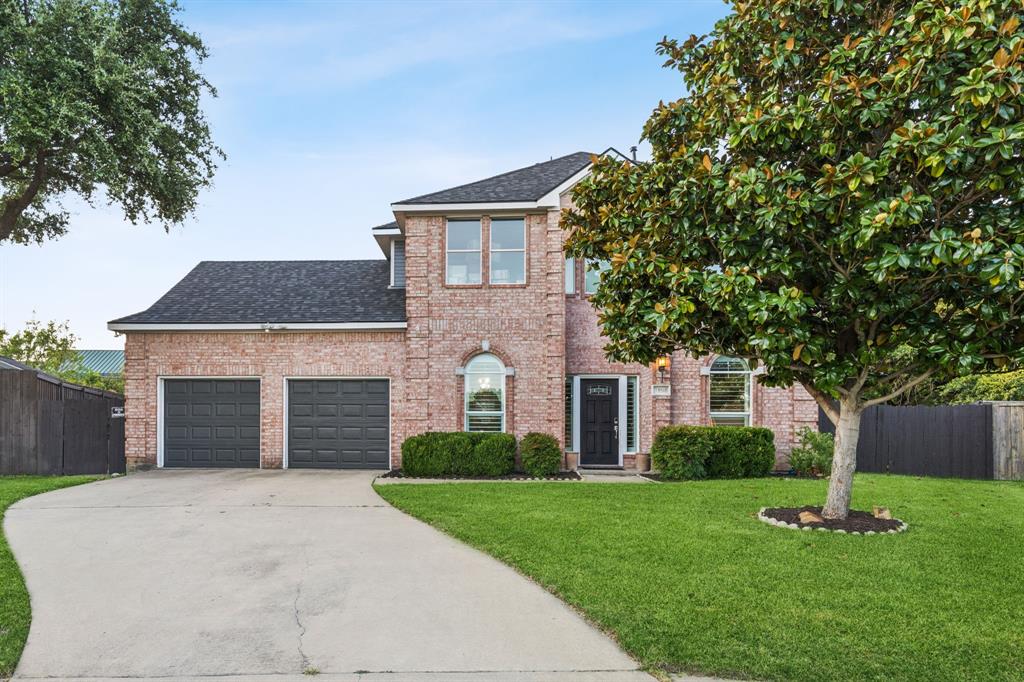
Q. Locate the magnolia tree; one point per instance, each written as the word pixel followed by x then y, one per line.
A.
pixel 836 198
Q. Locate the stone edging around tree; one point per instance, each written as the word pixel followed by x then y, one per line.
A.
pixel 794 526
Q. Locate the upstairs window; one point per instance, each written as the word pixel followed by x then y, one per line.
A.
pixel 508 251
pixel 730 392
pixel 485 394
pixel 593 275
pixel 462 248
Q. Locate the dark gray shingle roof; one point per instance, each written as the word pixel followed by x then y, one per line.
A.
pixel 393 225
pixel 525 184
pixel 254 292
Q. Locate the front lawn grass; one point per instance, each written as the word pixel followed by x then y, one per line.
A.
pixel 15 611
pixel 687 579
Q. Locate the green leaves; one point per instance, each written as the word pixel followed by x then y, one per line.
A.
pixel 833 186
pixel 99 96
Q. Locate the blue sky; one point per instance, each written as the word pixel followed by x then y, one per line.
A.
pixel 329 111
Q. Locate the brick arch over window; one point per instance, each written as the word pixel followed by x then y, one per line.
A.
pixel 459 389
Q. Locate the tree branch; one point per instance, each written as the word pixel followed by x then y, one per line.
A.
pixel 14 206
pixel 824 402
pixel 899 391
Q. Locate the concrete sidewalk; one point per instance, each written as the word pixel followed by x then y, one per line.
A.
pixel 248 574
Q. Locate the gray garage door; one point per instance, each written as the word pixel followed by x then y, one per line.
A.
pixel 211 423
pixel 338 424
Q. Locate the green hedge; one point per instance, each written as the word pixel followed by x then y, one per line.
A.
pixel 694 452
pixel 540 454
pixel 442 453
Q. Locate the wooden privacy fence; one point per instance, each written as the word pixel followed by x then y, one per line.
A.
pixel 51 427
pixel 984 440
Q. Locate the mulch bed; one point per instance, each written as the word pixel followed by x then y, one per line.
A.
pixel 859 522
pixel 560 476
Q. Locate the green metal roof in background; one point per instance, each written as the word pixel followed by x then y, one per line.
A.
pixel 103 361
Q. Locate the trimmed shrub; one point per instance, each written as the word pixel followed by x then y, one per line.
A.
pixel 540 454
pixel 693 452
pixel 444 453
pixel 494 454
pixel 741 452
pixel 679 452
pixel 813 457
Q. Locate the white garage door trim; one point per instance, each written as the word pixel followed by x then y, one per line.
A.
pixel 160 409
pixel 284 415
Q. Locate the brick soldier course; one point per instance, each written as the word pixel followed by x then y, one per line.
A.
pixel 280 320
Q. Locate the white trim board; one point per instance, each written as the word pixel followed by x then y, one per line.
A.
pixel 242 327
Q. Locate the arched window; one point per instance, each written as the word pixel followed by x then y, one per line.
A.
pixel 729 392
pixel 485 394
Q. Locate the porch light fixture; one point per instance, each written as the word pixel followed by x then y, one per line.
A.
pixel 663 364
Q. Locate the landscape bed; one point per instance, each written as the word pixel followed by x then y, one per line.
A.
pixel 687 578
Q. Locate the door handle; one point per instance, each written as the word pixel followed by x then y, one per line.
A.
pixel 616 422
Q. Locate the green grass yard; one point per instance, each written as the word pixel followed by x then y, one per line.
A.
pixel 15 612
pixel 687 579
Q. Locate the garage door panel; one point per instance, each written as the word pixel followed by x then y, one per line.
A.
pixel 211 422
pixel 338 423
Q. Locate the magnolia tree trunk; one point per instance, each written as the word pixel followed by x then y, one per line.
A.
pixel 844 461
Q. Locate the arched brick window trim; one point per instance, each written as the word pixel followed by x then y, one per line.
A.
pixel 510 388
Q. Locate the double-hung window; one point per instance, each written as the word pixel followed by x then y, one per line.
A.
pixel 508 251
pixel 462 248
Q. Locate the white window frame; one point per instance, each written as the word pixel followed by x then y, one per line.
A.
pixel 590 267
pixel 448 250
pixel 465 390
pixel 492 251
pixel 748 414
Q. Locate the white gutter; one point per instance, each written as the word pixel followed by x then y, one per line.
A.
pixel 266 327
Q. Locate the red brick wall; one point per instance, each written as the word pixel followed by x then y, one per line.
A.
pixel 268 356
pixel 522 324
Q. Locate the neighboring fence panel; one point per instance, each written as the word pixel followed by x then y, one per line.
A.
pixel 1008 441
pixel 18 422
pixel 50 427
pixel 944 440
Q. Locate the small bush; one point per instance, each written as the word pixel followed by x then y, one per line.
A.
pixel 494 454
pixel 540 454
pixel 693 452
pixel 741 452
pixel 679 452
pixel 813 457
pixel 443 453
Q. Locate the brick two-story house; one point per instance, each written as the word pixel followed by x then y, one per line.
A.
pixel 474 319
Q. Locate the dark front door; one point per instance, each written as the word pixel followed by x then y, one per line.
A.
pixel 599 427
pixel 338 424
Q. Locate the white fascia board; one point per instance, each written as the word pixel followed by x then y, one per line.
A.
pixel 269 327
pixel 552 198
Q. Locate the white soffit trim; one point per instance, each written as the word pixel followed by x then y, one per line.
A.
pixel 269 326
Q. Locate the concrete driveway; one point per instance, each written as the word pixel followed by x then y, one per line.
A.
pixel 272 574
